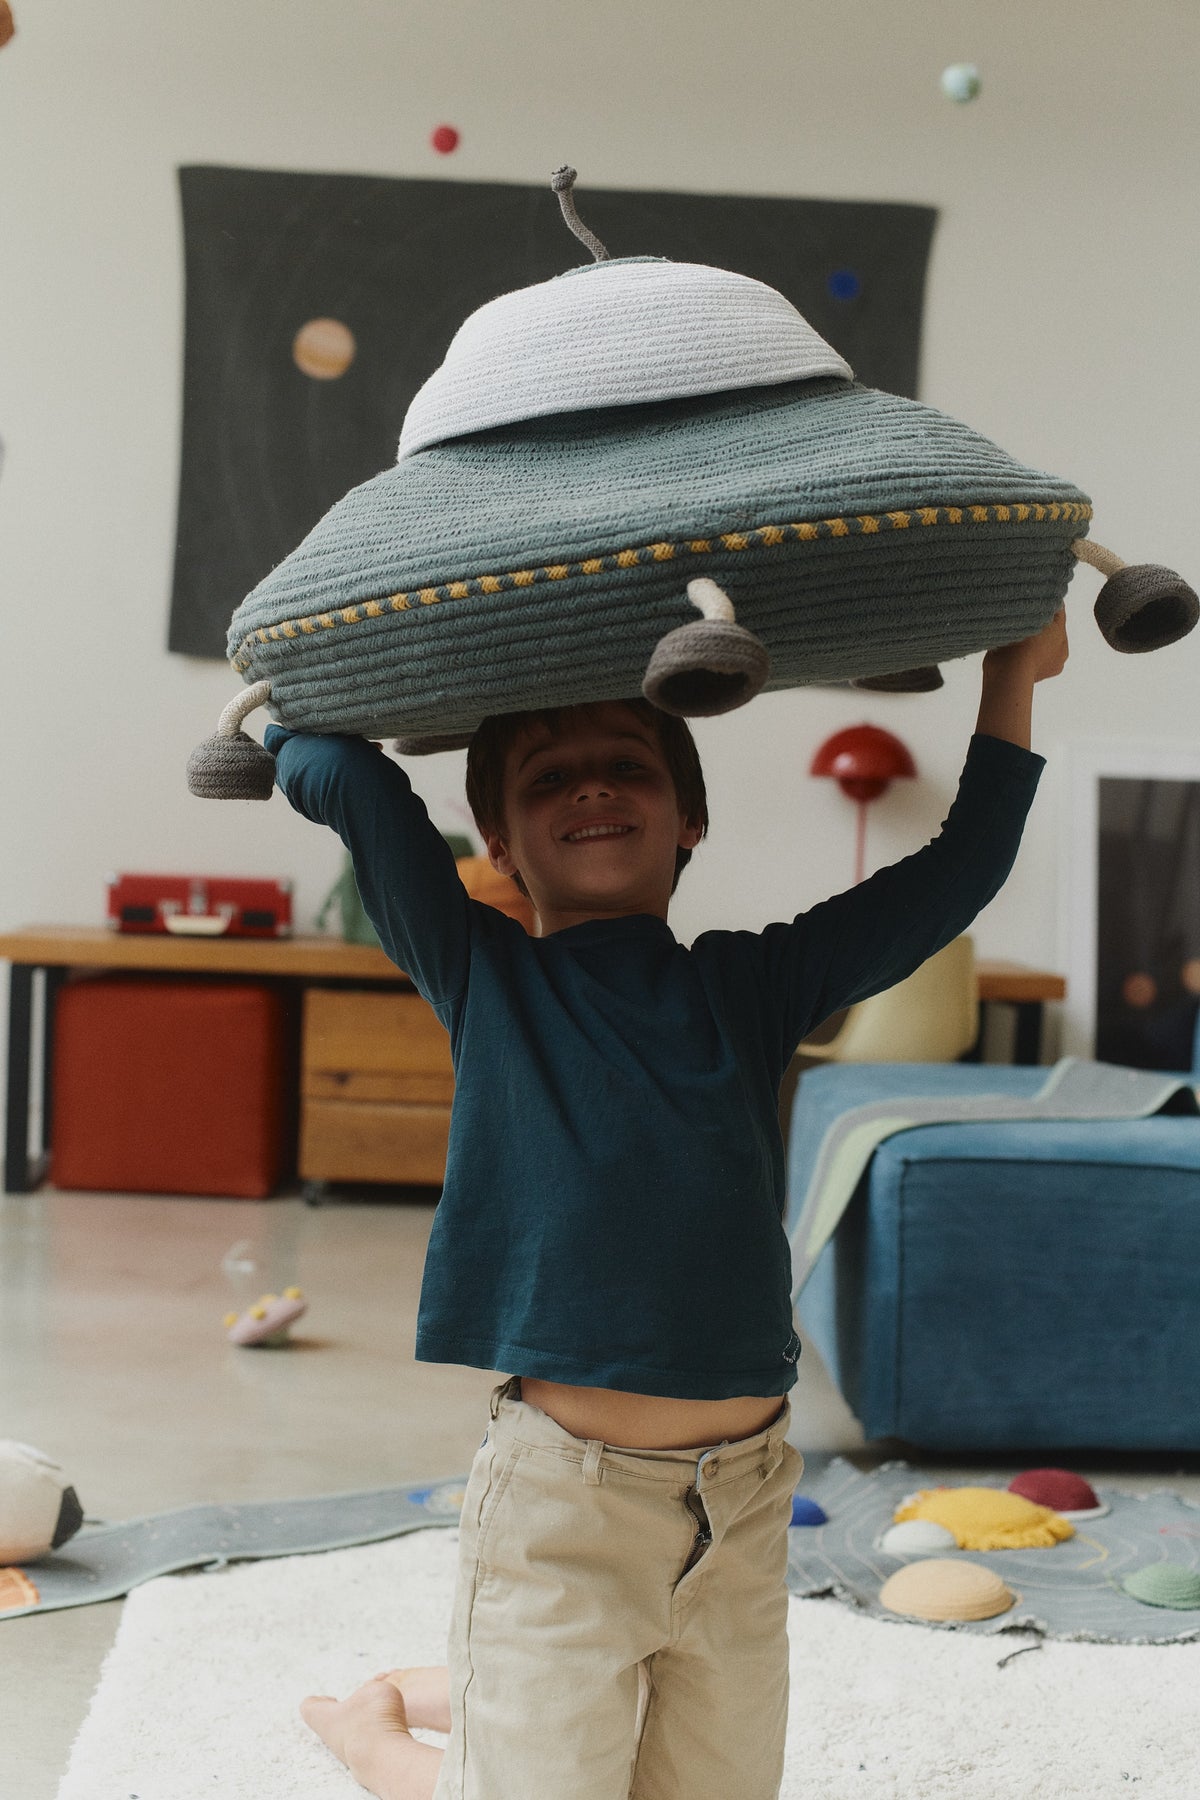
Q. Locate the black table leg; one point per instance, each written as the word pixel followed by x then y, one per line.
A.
pixel 1028 1045
pixel 17 1173
pixel 52 979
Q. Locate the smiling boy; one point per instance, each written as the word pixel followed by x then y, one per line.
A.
pixel 610 1232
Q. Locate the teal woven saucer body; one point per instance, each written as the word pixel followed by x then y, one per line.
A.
pixel 856 532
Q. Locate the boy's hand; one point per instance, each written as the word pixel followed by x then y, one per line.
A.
pixel 1009 674
pixel 1039 657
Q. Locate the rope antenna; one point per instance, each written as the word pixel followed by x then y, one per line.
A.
pixel 562 181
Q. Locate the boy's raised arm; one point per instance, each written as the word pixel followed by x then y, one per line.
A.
pixel 867 939
pixel 403 866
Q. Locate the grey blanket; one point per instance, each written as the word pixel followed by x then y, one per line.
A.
pixel 1074 1089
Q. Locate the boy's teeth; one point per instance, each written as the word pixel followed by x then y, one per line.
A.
pixel 594 831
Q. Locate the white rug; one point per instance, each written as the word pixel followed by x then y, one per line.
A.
pixel 198 1695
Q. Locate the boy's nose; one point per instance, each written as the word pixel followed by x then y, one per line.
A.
pixel 593 787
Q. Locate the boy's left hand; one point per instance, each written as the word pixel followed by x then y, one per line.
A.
pixel 1039 657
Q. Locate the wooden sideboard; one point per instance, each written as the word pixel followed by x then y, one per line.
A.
pixel 375 1075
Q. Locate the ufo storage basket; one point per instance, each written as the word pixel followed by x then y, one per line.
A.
pixel 165 1085
pixel 1008 1286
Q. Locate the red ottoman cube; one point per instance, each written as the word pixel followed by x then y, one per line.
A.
pixel 174 1086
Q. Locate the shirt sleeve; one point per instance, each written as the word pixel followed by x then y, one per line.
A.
pixel 863 941
pixel 403 866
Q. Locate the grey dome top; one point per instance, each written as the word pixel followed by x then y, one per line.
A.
pixel 614 333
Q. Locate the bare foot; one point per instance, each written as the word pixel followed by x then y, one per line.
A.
pixel 426 1695
pixel 368 1731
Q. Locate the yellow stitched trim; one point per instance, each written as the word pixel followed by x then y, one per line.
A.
pixel 805 531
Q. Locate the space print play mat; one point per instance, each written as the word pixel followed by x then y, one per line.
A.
pixel 1061 1586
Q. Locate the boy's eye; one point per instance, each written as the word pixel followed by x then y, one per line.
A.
pixel 546 778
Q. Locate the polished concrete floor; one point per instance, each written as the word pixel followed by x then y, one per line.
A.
pixel 114 1361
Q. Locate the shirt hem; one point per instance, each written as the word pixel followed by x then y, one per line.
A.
pixel 629 1378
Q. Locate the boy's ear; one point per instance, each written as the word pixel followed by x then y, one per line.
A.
pixel 497 854
pixel 690 834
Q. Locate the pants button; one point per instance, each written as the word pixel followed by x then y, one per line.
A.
pixel 713 1467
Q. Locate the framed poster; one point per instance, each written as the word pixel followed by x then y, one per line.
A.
pixel 317 305
pixel 1131 884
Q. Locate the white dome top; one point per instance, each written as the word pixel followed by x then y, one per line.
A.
pixel 615 333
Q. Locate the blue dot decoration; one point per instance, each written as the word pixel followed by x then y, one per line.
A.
pixel 844 284
pixel 806 1511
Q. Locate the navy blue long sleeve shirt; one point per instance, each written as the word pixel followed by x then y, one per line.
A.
pixel 614 1194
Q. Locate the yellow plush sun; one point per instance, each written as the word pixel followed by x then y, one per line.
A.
pixel 984 1518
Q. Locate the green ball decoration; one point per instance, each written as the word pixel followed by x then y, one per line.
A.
pixel 1164 1584
pixel 961 82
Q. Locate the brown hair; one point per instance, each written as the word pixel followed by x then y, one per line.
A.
pixel 495 737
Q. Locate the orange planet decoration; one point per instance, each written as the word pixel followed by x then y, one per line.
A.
pixel 324 349
pixel 944 1589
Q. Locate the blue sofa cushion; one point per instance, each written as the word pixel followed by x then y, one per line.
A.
pixel 1009 1285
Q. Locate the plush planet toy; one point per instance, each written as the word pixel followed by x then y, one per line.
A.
pixel 266 1324
pixel 946 1589
pixel 1164 1584
pixel 917 1537
pixel 982 1518
pixel 655 476
pixel 807 1512
pixel 39 1510
pixel 1069 1495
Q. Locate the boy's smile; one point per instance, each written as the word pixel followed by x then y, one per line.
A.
pixel 592 821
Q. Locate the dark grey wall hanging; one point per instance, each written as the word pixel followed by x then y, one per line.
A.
pixel 316 305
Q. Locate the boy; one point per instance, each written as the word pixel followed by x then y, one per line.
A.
pixel 610 1231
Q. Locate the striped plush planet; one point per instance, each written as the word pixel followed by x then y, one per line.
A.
pixel 603 456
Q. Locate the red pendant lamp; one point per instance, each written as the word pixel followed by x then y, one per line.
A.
pixel 863 760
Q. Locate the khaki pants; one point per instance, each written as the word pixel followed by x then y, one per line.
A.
pixel 620 1621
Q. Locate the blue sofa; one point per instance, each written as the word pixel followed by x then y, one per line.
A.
pixel 1003 1286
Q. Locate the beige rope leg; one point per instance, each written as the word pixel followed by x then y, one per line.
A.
pixel 707 667
pixel 1141 606
pixel 229 765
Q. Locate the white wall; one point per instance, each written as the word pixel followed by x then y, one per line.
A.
pixel 1060 320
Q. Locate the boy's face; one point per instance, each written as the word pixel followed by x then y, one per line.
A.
pixel 591 818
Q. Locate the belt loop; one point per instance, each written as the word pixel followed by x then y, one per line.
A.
pixel 508 1390
pixel 591 1462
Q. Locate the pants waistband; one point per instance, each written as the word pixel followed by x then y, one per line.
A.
pixel 528 1425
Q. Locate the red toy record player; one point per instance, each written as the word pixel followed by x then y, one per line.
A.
pixel 200 905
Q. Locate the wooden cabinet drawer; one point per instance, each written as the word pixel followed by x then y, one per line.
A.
pixel 364 1142
pixel 376 1082
pixel 374 1047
